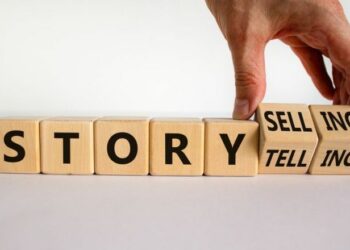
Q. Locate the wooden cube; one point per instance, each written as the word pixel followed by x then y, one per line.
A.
pixel 19 145
pixel 287 138
pixel 231 147
pixel 332 124
pixel 121 146
pixel 67 145
pixel 176 147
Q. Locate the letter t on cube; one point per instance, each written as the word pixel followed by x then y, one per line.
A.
pixel 288 138
pixel 67 145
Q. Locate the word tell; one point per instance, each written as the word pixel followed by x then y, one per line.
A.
pixel 287 138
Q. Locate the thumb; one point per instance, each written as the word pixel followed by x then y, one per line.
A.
pixel 249 63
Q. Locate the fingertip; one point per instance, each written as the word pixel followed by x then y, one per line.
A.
pixel 243 109
pixel 328 94
pixel 336 98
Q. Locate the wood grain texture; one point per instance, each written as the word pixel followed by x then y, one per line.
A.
pixel 332 124
pixel 29 128
pixel 193 130
pixel 105 128
pixel 81 149
pixel 244 134
pixel 288 138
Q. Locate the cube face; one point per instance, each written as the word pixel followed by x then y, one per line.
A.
pixel 121 146
pixel 19 145
pixel 332 124
pixel 231 147
pixel 176 147
pixel 67 146
pixel 288 138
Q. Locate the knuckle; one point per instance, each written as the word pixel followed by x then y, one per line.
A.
pixel 246 79
pixel 248 84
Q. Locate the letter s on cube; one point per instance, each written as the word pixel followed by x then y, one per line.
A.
pixel 19 145
pixel 287 138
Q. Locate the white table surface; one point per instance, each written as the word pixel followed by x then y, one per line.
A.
pixel 113 212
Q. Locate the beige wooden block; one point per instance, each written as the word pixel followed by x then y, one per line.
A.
pixel 287 138
pixel 332 124
pixel 231 147
pixel 19 145
pixel 176 147
pixel 121 145
pixel 67 145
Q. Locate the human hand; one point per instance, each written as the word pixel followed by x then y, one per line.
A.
pixel 312 28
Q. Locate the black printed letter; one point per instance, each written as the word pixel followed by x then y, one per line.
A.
pixel 170 149
pixel 133 148
pixel 232 149
pixel 66 143
pixel 11 144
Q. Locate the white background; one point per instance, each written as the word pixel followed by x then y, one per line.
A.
pixel 110 57
pixel 153 58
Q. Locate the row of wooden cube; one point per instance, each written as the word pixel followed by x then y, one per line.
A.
pixel 291 139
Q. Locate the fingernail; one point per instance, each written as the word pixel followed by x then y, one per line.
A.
pixel 241 109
